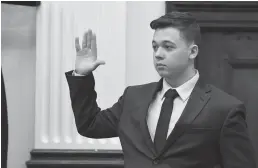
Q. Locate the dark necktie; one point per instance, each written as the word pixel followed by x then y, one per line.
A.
pixel 164 120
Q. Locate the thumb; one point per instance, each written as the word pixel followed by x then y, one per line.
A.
pixel 98 62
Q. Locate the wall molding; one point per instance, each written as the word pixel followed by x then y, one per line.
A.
pixel 215 16
pixel 247 63
pixel 23 3
pixel 212 6
pixel 61 158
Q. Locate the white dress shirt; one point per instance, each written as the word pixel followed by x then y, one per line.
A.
pixel 180 102
pixel 76 74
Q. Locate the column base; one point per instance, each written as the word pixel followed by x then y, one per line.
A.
pixel 62 158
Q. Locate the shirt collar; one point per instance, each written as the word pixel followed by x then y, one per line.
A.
pixel 183 90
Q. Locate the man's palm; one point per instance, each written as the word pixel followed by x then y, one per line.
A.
pixel 86 56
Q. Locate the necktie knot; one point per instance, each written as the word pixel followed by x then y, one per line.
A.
pixel 171 93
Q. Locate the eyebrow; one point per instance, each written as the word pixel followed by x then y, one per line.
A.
pixel 165 41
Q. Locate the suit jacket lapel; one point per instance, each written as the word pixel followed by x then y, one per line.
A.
pixel 148 96
pixel 198 98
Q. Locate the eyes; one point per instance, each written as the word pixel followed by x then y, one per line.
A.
pixel 167 47
pixel 155 47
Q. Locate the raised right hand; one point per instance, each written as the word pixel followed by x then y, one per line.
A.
pixel 86 56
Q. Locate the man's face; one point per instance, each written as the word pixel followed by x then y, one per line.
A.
pixel 170 52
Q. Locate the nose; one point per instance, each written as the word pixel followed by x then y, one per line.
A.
pixel 159 54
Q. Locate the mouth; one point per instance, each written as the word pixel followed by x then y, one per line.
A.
pixel 160 65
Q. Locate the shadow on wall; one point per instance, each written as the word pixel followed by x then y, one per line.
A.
pixel 4 124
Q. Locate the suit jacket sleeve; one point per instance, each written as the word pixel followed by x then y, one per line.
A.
pixel 235 146
pixel 90 120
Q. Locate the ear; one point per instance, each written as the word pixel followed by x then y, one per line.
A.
pixel 193 51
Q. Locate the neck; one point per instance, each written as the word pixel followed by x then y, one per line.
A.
pixel 176 81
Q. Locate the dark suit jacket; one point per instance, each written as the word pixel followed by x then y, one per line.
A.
pixel 211 133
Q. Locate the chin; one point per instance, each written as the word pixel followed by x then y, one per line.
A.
pixel 166 74
pixel 163 74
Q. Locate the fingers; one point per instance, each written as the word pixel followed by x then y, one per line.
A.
pixel 77 44
pixel 93 41
pixel 94 44
pixel 84 40
pixel 89 37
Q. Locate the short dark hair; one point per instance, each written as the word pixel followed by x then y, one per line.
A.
pixel 183 21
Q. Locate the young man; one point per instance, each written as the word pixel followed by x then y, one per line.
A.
pixel 176 122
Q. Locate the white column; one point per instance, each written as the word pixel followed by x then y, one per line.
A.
pixel 58 23
pixel 124 43
pixel 139 62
